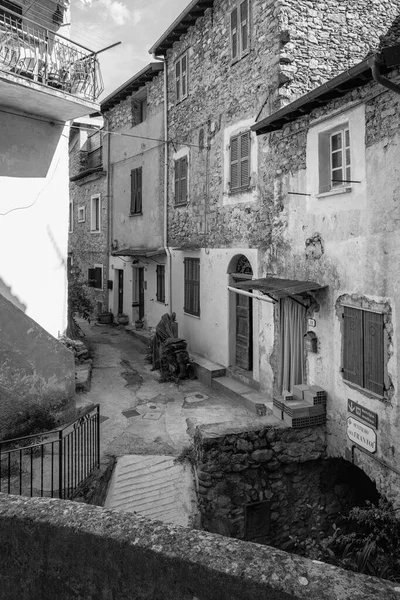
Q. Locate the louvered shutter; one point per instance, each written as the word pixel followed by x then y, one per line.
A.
pixel 183 180
pixel 234 33
pixel 91 277
pixel 177 180
pixel 244 25
pixel 245 160
pixel 352 346
pixel 234 176
pixel 184 76
pixel 187 286
pixel 196 287
pixel 373 352
pixel 178 79
pixel 133 191
pixel 97 277
pixel 138 190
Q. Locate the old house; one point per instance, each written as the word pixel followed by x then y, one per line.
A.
pixel 88 218
pixel 134 147
pixel 46 79
pixel 330 162
pixel 228 64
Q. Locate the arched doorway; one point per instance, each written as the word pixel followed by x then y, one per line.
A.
pixel 242 312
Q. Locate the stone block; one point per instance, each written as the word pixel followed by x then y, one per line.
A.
pixel 262 455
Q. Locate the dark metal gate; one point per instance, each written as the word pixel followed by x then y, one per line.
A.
pixel 53 463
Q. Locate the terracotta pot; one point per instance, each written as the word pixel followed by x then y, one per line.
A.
pixel 122 319
pixel 139 324
pixel 105 318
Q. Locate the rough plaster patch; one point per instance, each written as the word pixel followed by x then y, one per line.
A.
pixel 314 247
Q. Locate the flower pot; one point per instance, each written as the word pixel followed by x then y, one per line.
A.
pixel 105 318
pixel 139 324
pixel 122 319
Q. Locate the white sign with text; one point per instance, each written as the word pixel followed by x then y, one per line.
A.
pixel 361 434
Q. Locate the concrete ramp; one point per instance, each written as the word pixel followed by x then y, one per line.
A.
pixel 157 487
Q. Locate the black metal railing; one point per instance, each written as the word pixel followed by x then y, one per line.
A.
pixel 94 159
pixel 53 463
pixel 30 50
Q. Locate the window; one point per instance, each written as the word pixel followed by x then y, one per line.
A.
pixel 71 218
pixel 6 17
pixel 136 191
pixel 240 162
pixel 181 180
pixel 363 349
pixel 240 29
pixel 160 283
pixel 95 213
pixel 81 214
pixel 192 286
pixel 139 111
pixel 181 77
pixel 95 277
pixel 334 159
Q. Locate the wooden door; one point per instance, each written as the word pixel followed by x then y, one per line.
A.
pixel 244 337
pixel 120 291
pixel 141 292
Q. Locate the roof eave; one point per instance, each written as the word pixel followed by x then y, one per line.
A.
pixel 132 85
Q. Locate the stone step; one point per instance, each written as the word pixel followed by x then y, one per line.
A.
pixel 243 376
pixel 254 401
pixel 205 369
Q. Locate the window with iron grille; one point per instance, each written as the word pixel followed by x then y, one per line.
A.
pixel 95 277
pixel 192 286
pixel 136 191
pixel 181 180
pixel 181 77
pixel 160 294
pixel 5 16
pixel 240 162
pixel 240 29
pixel 363 349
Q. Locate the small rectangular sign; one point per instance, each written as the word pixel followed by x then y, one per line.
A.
pixel 312 322
pixel 362 413
pixel 361 434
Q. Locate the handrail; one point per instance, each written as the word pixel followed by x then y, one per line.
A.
pixel 11 12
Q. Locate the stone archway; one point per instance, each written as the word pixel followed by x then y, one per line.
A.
pixel 240 316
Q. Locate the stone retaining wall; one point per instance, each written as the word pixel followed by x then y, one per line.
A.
pixel 66 550
pixel 272 484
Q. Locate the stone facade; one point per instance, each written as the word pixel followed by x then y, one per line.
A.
pixel 88 248
pixel 281 473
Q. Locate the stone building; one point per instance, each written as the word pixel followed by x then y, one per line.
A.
pixel 229 64
pixel 134 147
pixel 88 226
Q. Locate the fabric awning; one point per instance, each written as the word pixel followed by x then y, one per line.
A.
pixel 279 288
pixel 144 252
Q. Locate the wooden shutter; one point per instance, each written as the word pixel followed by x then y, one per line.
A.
pixel 234 175
pixel 177 180
pixel 178 79
pixel 373 352
pixel 184 75
pixel 160 283
pixel 133 191
pixel 98 277
pixel 352 345
pixel 183 180
pixel 139 190
pixel 192 286
pixel 91 277
pixel 245 160
pixel 244 25
pixel 234 33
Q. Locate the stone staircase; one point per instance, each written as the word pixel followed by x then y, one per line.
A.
pixel 234 383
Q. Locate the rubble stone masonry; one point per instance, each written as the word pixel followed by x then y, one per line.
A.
pixel 295 46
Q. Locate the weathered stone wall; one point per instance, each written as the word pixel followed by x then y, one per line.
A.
pixel 295 47
pixel 54 548
pixel 287 469
pixel 36 371
pixel 88 248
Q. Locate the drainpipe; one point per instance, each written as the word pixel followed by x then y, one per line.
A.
pixel 109 207
pixel 379 78
pixel 166 248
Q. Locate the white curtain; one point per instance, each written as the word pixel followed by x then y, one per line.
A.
pixel 292 330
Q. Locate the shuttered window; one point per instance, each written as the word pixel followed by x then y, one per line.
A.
pixel 160 273
pixel 95 277
pixel 240 29
pixel 136 191
pixel 192 286
pixel 363 349
pixel 240 162
pixel 181 180
pixel 181 77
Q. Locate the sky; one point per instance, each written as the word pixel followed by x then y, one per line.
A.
pixel 136 23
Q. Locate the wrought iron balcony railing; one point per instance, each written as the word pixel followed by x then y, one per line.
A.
pixel 29 50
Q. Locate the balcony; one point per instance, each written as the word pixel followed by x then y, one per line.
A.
pixel 45 73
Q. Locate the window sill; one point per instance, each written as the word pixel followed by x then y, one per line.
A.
pixel 191 315
pixel 161 302
pixel 363 391
pixel 95 231
pixel 181 204
pixel 81 221
pixel 180 100
pixel 239 58
pixel 335 192
pixel 241 190
pixel 137 214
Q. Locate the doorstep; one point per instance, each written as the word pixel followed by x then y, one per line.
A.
pixel 144 335
pixel 255 401
pixel 205 369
